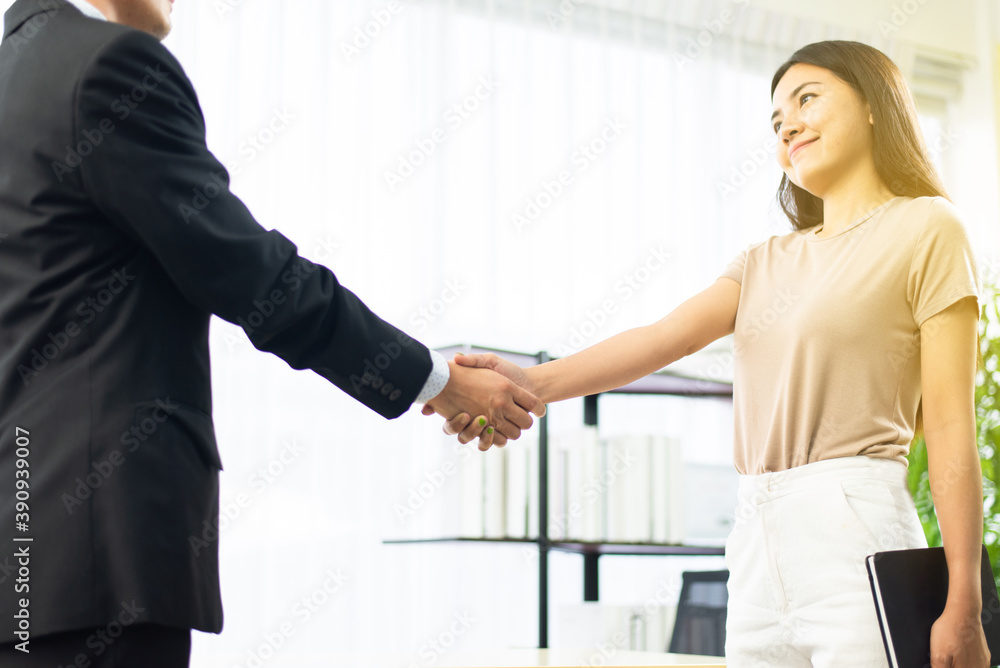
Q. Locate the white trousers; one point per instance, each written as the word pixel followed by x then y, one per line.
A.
pixel 798 588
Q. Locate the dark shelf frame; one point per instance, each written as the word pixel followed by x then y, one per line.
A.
pixel 663 382
pixel 583 547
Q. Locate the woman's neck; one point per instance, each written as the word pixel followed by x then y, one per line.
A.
pixel 843 209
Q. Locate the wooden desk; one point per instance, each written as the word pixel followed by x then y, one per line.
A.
pixel 529 658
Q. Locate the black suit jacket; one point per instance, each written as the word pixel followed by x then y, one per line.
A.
pixel 119 238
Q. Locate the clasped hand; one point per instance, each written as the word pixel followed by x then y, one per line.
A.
pixel 958 640
pixel 497 392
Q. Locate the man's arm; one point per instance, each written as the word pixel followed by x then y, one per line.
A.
pixel 151 174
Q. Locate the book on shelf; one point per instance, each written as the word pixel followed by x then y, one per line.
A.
pixel 578 466
pixel 624 489
pixel 645 489
pixel 626 470
pixel 495 492
pixel 517 491
pixel 472 480
pixel 668 485
pixel 531 471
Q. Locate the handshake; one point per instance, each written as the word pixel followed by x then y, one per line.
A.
pixel 498 392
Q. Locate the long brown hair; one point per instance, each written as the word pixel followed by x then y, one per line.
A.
pixel 899 151
pixel 901 157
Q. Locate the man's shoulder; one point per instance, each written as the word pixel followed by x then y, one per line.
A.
pixel 51 26
pixel 92 39
pixel 67 39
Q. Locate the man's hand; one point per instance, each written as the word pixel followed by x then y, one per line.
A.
pixel 463 424
pixel 501 404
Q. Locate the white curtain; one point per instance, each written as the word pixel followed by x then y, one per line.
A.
pixel 647 174
pixel 524 175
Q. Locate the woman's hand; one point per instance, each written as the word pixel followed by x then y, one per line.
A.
pixel 463 424
pixel 958 641
pixel 468 429
pixel 495 363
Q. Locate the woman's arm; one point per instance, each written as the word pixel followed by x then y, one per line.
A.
pixel 705 317
pixel 635 353
pixel 948 344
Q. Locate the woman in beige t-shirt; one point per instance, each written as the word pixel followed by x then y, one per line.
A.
pixel 846 331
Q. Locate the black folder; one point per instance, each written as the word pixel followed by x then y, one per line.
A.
pixel 910 588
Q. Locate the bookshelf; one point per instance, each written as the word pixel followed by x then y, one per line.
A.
pixel 663 382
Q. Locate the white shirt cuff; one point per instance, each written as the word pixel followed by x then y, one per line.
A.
pixel 440 374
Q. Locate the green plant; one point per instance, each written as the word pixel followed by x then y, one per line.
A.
pixel 988 435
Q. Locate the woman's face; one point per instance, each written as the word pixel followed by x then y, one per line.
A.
pixel 823 128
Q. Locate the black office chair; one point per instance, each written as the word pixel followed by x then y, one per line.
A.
pixel 700 627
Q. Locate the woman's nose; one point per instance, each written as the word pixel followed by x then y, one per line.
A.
pixel 789 131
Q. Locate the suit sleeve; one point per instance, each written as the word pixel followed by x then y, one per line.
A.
pixel 151 174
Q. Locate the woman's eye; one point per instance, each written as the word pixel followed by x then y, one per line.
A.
pixel 802 100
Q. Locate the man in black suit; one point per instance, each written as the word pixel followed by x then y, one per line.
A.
pixel 119 238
